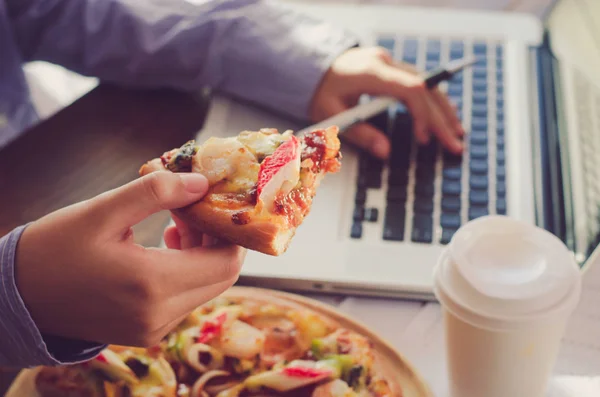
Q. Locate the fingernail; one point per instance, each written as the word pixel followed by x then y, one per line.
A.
pixel 460 129
pixel 380 149
pixel 194 182
pixel 458 147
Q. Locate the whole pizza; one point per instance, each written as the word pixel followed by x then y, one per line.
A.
pixel 234 346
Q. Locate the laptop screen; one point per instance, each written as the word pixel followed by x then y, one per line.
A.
pixel 573 28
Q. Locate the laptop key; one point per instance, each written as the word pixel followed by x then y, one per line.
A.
pixel 457 78
pixel 451 221
pixel 360 197
pixel 410 47
pixel 451 203
pixel 500 188
pixel 501 206
pixel 480 48
pixel 356 231
pixel 456 45
pixel 479 73
pixel 422 228
pixel 393 224
pixel 398 177
pixel 455 90
pixel 434 45
pixel 478 212
pixel 479 138
pixel 500 157
pixel 410 59
pixel 371 214
pixel 452 172
pixel 479 124
pixel 479 84
pixel 478 197
pixel 424 189
pixel 451 188
pixel 433 57
pixel 359 214
pixel 387 43
pixel 447 235
pixel 478 152
pixel 478 166
pixel 427 154
pixel 361 180
pixel 480 98
pixel 370 170
pixel 479 110
pixel 423 205
pixel 396 194
pixel 500 140
pixel 500 172
pixel 481 62
pixel 478 182
pixel 430 65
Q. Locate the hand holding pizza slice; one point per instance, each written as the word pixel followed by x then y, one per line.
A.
pixel 262 183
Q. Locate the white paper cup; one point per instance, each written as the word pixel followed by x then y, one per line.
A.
pixel 507 289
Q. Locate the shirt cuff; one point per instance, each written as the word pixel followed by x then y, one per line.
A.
pixel 22 344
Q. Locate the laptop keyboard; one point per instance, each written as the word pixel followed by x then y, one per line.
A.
pixel 430 193
pixel 588 102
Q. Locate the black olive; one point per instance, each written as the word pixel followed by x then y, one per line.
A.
pixel 139 368
pixel 204 358
pixel 354 375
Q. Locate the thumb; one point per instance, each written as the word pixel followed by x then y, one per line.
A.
pixel 157 191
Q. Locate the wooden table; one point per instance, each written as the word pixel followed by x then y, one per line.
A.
pixel 96 144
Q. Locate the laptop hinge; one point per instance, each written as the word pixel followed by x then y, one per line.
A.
pixel 556 208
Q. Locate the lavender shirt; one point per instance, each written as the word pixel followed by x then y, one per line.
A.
pixel 255 50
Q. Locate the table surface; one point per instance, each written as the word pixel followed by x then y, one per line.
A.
pixel 96 144
pixel 99 143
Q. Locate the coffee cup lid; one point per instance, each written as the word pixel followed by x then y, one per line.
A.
pixel 499 271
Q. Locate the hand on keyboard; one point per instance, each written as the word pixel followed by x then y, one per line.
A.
pixel 373 71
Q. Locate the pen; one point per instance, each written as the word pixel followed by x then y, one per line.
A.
pixel 360 113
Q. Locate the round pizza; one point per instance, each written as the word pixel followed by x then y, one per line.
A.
pixel 235 346
pixel 261 183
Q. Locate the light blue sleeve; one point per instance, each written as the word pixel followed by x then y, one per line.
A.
pixel 21 343
pixel 255 50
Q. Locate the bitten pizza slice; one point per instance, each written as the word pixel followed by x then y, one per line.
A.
pixel 262 183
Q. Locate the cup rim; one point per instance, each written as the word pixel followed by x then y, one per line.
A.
pixel 453 304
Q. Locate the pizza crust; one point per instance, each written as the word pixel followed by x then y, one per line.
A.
pixel 270 238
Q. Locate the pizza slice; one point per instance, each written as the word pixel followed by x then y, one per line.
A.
pixel 261 183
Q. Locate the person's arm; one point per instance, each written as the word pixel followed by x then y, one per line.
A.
pixel 21 343
pixel 255 50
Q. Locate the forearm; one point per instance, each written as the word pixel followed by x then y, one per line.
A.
pixel 21 343
pixel 253 49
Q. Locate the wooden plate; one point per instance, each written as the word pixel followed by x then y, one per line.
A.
pixel 391 361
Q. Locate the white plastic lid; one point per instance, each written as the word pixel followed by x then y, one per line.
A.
pixel 501 273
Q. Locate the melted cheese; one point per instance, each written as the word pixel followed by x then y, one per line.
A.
pixel 264 142
pixel 227 160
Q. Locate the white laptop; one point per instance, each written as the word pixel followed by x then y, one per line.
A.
pixel 531 106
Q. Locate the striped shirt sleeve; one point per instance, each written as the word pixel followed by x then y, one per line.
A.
pixel 21 343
